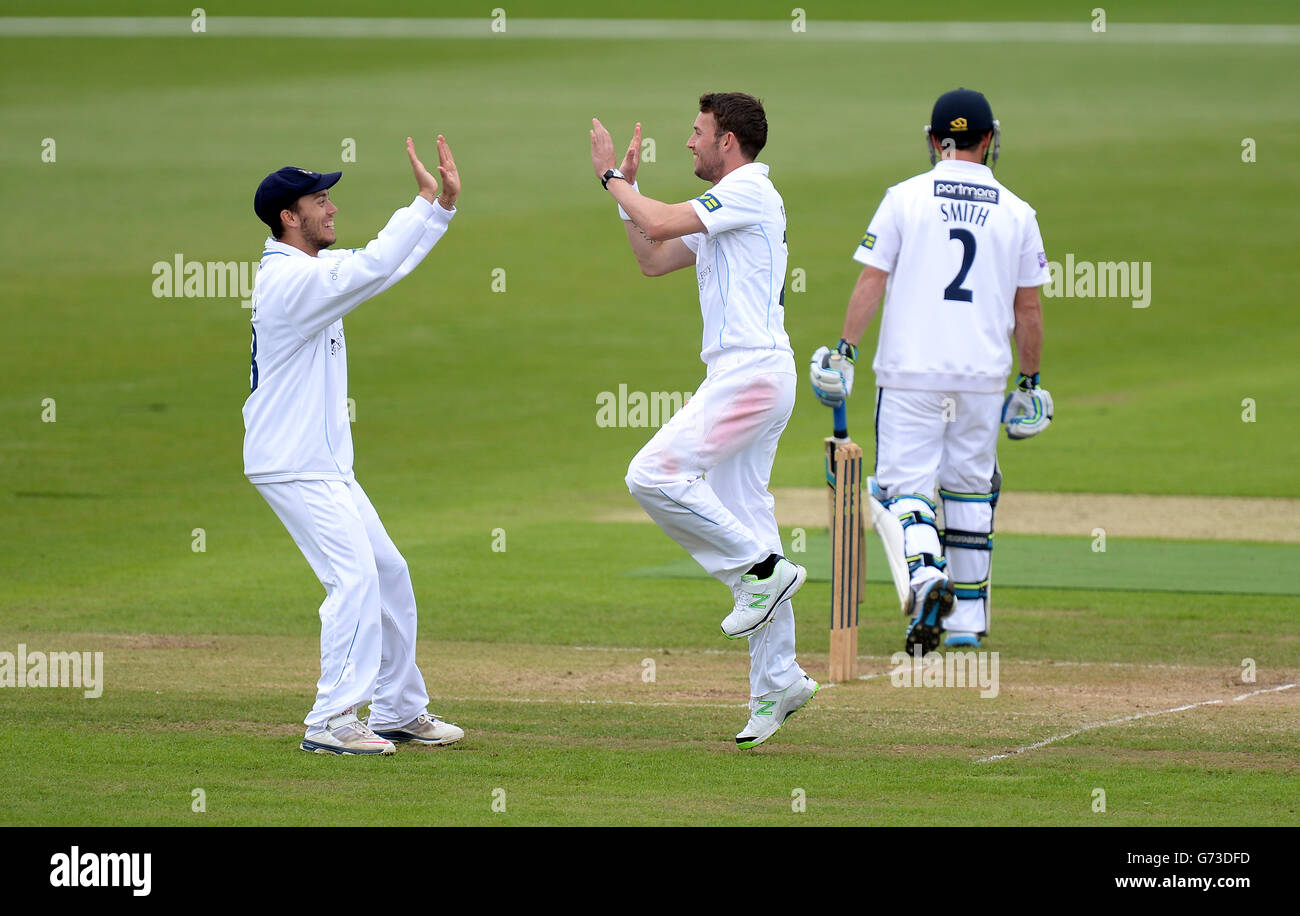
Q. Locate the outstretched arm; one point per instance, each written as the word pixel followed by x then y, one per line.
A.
pixel 321 290
pixel 443 209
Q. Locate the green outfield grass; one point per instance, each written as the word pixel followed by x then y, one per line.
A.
pixel 476 411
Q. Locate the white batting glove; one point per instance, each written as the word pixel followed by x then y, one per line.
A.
pixel 831 372
pixel 1028 410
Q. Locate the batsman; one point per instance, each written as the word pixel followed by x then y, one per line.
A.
pixel 958 259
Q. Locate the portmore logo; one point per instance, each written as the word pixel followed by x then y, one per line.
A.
pixel 81 670
pixel 959 190
pixel 103 869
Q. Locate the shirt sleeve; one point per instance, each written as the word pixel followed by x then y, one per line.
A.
pixel 693 241
pixel 1033 256
pixel 882 240
pixel 322 290
pixel 434 229
pixel 729 206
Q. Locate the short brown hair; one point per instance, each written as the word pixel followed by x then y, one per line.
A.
pixel 740 114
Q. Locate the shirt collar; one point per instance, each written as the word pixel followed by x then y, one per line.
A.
pixel 759 167
pixel 962 165
pixel 271 246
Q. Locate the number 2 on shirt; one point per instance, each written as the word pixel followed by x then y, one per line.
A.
pixel 953 290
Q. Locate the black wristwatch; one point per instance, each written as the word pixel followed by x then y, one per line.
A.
pixel 612 173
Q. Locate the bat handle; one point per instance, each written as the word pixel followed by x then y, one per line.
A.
pixel 841 418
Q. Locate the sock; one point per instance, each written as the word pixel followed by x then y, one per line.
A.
pixel 765 569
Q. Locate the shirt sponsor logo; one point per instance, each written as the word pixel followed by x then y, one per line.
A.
pixel 960 190
pixel 868 241
pixel 702 273
pixel 710 202
pixel 1042 259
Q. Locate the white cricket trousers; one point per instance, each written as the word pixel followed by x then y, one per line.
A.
pixel 368 618
pixel 703 478
pixel 948 440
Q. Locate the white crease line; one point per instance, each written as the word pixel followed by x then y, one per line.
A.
pixel 1087 728
pixel 861 677
pixel 776 29
pixel 1264 690
pixel 1135 716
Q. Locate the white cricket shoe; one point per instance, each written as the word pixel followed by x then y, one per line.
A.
pixel 769 712
pixel 424 729
pixel 757 599
pixel 346 734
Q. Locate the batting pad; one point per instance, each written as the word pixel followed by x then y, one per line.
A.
pixel 920 536
pixel 968 545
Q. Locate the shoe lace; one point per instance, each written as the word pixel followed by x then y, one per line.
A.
pixel 357 727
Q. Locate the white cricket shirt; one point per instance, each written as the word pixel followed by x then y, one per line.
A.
pixel 296 424
pixel 956 244
pixel 740 263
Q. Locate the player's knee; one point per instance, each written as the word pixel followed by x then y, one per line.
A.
pixel 359 581
pixel 392 566
pixel 641 475
pixel 650 470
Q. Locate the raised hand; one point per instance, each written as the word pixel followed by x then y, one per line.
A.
pixel 602 149
pixel 632 161
pixel 423 177
pixel 450 176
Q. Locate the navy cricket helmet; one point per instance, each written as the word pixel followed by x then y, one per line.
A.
pixel 963 116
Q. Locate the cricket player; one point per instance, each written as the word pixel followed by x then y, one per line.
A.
pixel 963 258
pixel 298 449
pixel 703 477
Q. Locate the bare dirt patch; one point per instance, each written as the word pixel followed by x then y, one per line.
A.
pixel 158 641
pixel 1039 703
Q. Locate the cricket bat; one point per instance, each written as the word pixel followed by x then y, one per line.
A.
pixel 848 548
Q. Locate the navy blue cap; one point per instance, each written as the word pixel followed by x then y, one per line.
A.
pixel 281 188
pixel 960 114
